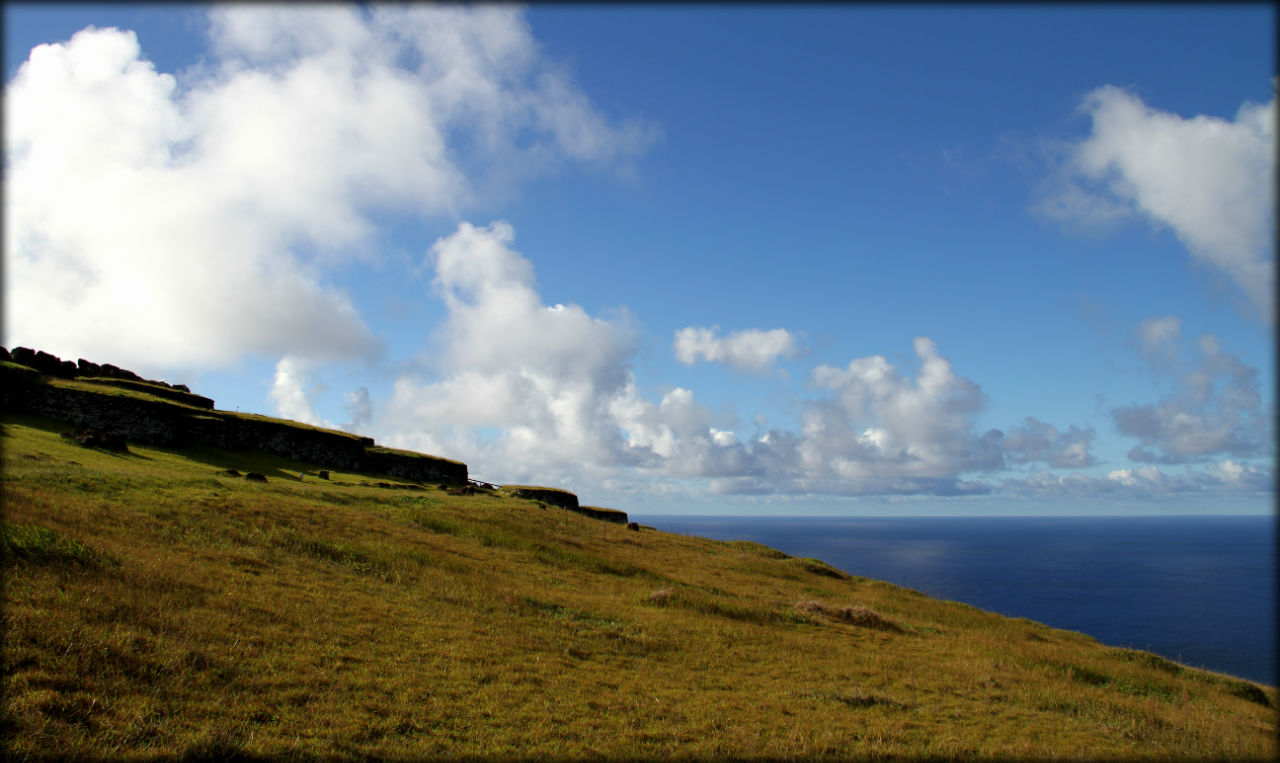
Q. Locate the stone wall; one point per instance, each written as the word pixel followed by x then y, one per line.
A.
pixel 608 515
pixel 554 496
pixel 158 422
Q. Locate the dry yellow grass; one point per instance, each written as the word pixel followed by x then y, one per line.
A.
pixel 155 607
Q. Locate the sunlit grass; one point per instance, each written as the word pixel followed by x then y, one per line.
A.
pixel 157 606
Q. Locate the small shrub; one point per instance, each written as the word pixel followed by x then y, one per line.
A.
pixel 759 549
pixel 1247 691
pixel 661 597
pixel 867 618
pixel 819 567
pixel 856 699
pixel 857 615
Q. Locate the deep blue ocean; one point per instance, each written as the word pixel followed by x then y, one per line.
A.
pixel 1200 590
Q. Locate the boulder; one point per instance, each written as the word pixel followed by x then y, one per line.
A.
pixel 47 363
pixel 116 372
pixel 4 354
pixel 88 368
pixel 323 474
pixel 24 355
pixel 255 477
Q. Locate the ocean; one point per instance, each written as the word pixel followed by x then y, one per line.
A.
pixel 1200 590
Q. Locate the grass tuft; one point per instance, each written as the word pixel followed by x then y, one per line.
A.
pixel 35 544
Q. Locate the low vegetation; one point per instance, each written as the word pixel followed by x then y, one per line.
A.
pixel 158 605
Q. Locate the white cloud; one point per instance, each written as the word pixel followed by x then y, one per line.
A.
pixel 524 390
pixel 1222 477
pixel 360 408
pixel 884 424
pixel 1211 180
pixel 546 378
pixel 1214 409
pixel 1034 440
pixel 752 349
pixel 289 393
pixel 198 217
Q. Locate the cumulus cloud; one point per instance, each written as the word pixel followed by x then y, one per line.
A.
pixel 289 392
pixel 1211 180
pixel 1034 440
pixel 525 388
pixel 545 378
pixel 752 349
pixel 522 389
pixel 197 217
pixel 1215 408
pixel 883 420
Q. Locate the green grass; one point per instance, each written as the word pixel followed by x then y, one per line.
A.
pixel 156 607
pixel 407 454
pixel 32 543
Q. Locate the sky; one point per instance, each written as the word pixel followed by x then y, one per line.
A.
pixel 755 260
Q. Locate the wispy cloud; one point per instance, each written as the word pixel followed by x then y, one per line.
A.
pixel 1215 409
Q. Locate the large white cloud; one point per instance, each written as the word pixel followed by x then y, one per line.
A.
pixel 197 217
pixel 883 423
pixel 521 388
pixel 751 349
pixel 1215 409
pixel 1211 180
pixel 544 378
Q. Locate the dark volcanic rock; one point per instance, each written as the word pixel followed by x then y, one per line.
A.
pixel 96 438
pixel 182 388
pixel 232 472
pixel 562 498
pixel 24 355
pixel 88 368
pixel 323 474
pixel 115 372
pixel 49 364
pixel 255 477
pixel 4 354
pixel 633 526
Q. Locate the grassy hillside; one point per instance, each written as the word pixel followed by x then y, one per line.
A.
pixel 157 605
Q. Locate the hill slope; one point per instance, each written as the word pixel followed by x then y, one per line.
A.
pixel 155 604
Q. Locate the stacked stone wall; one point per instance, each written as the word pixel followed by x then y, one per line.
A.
pixel 158 422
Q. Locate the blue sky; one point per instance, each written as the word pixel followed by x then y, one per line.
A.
pixel 758 259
